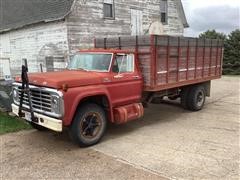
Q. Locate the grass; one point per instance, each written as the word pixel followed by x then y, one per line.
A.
pixel 10 124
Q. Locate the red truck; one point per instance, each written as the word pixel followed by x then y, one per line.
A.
pixel 115 81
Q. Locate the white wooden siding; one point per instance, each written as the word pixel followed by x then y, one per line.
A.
pixel 86 20
pixel 5 72
pixel 34 43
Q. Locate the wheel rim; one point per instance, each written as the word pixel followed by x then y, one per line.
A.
pixel 90 125
pixel 200 98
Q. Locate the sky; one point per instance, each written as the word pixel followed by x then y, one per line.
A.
pixel 222 15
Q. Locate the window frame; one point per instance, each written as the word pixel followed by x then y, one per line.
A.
pixel 133 61
pixel 113 10
pixel 165 11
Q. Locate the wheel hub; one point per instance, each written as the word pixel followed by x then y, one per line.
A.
pixel 200 98
pixel 90 125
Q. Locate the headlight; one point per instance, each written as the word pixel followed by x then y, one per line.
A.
pixel 55 101
pixel 15 95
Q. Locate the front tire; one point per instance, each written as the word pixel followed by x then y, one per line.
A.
pixel 89 125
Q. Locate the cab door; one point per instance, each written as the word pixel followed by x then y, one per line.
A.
pixel 127 83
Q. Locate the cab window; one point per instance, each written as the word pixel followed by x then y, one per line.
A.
pixel 124 63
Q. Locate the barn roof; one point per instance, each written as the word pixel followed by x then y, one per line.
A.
pixel 15 14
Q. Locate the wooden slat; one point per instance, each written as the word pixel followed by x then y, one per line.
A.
pixel 166 59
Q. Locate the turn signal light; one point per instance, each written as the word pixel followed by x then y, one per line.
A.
pixel 65 87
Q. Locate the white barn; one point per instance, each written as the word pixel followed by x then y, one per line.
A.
pixel 48 32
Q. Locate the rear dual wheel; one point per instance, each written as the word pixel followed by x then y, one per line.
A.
pixel 89 125
pixel 193 98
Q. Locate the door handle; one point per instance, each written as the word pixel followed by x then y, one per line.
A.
pixel 118 76
pixel 136 77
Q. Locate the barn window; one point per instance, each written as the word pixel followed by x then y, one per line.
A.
pixel 108 8
pixel 164 11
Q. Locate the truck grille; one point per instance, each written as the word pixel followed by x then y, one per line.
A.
pixel 41 100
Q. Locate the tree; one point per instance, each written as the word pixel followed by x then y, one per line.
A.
pixel 213 34
pixel 232 53
pixel 231 59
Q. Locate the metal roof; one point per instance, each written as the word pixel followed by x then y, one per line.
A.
pixel 15 14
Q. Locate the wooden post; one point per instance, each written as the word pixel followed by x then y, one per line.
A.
pixel 188 56
pixel 210 61
pixel 204 49
pixel 95 43
pixel 196 57
pixel 179 55
pixel 105 43
pixel 119 43
pixel 167 64
pixel 25 63
pixel 41 68
pixel 217 54
pixel 153 60
pixel 221 59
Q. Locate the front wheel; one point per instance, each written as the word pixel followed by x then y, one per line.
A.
pixel 89 125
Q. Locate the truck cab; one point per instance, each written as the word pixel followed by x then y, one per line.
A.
pixel 98 86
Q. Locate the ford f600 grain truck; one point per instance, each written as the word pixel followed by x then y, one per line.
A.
pixel 115 81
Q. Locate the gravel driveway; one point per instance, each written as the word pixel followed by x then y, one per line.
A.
pixel 168 143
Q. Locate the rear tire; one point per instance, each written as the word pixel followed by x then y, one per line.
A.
pixel 89 125
pixel 196 98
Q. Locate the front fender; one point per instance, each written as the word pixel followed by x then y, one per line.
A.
pixel 74 96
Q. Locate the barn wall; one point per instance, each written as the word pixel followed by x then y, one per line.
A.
pixel 175 25
pixel 86 20
pixel 35 43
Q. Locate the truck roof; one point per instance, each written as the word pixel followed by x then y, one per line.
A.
pixel 98 50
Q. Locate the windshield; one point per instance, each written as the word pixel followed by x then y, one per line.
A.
pixel 91 62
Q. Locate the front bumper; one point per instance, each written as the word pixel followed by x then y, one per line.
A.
pixel 45 121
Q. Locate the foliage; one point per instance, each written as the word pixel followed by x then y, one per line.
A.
pixel 231 61
pixel 213 34
pixel 232 54
pixel 11 124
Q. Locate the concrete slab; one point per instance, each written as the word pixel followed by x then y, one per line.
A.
pixel 45 155
pixel 176 143
pixel 169 143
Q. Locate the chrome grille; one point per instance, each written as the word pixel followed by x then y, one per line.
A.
pixel 41 100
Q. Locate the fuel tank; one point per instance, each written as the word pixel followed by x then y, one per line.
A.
pixel 128 113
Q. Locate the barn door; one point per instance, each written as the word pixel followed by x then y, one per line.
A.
pixel 49 63
pixel 136 22
pixel 5 72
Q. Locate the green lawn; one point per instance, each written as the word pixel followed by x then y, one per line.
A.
pixel 11 124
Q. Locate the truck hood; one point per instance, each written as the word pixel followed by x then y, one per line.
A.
pixel 67 77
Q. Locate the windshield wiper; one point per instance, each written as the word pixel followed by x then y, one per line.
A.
pixel 76 69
